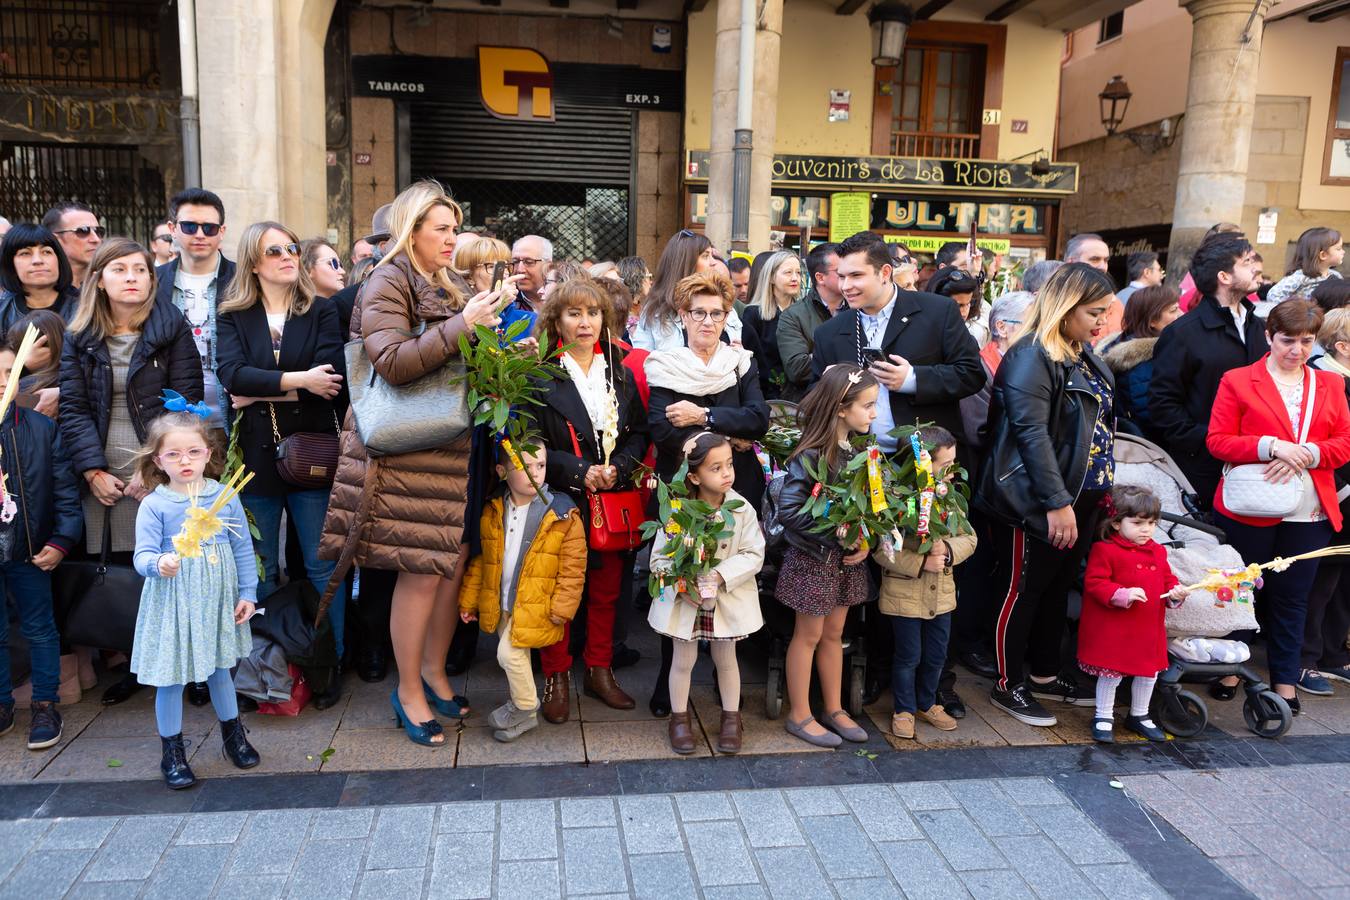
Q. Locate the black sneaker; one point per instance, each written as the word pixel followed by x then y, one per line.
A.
pixel 952 704
pixel 6 718
pixel 1019 704
pixel 45 729
pixel 1064 690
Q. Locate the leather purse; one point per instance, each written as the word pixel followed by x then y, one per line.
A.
pixel 1246 492
pixel 306 459
pixel 97 602
pixel 613 518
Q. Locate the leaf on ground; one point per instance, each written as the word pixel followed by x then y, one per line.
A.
pixel 327 754
pixel 114 764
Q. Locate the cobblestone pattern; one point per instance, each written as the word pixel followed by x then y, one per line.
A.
pixel 991 838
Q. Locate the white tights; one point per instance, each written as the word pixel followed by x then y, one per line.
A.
pixel 682 669
pixel 1140 694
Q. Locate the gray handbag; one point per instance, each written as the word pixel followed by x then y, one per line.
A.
pixel 431 411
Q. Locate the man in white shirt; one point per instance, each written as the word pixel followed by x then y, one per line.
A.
pixel 1144 270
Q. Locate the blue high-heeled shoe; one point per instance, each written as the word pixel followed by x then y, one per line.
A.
pixel 456 707
pixel 418 734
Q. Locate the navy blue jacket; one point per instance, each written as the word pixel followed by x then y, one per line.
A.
pixel 42 481
pixel 1131 361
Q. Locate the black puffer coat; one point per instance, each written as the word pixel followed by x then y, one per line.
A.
pixel 42 482
pixel 164 357
pixel 13 308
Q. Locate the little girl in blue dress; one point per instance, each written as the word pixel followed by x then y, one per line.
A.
pixel 193 619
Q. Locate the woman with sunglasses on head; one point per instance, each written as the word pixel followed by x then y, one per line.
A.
pixel 659 326
pixel 905 275
pixel 320 261
pixel 124 348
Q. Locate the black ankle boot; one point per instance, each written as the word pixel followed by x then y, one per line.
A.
pixel 174 765
pixel 235 745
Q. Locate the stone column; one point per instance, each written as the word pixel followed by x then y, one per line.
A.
pixel 1217 131
pixel 768 37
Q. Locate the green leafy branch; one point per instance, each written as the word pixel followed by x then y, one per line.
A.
pixel 843 505
pixel 779 442
pixel 950 512
pixel 694 528
pixel 234 459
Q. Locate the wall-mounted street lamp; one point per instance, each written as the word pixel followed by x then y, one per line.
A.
pixel 1114 99
pixel 890 21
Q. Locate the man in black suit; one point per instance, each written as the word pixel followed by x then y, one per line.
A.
pixel 919 349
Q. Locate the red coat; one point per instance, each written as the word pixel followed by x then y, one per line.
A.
pixel 1248 407
pixel 1133 640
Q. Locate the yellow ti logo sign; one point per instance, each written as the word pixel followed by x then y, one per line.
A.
pixel 515 83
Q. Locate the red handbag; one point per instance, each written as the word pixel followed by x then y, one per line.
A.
pixel 615 517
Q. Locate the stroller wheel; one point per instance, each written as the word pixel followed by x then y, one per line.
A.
pixel 1181 713
pixel 773 693
pixel 857 680
pixel 1267 714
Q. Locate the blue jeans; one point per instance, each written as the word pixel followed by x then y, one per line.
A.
pixel 31 589
pixel 307 509
pixel 920 650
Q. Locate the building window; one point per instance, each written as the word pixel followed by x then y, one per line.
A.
pixel 1111 27
pixel 1336 155
pixel 936 96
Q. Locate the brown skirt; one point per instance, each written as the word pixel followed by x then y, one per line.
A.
pixel 819 587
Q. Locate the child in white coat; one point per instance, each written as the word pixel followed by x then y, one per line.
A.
pixel 734 614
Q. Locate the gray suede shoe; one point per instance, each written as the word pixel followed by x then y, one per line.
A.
pixel 798 729
pixel 512 722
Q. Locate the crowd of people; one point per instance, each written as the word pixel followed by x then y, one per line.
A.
pixel 149 362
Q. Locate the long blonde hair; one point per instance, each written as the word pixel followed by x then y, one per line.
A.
pixel 1071 286
pixel 94 314
pixel 406 214
pixel 245 290
pixel 764 297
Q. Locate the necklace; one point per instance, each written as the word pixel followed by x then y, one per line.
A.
pixel 1286 382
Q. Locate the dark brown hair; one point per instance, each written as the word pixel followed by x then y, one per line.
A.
pixel 704 444
pixel 1311 244
pixel 53 328
pixel 1130 501
pixel 836 390
pixel 578 292
pixel 1145 305
pixel 1332 294
pixel 1294 317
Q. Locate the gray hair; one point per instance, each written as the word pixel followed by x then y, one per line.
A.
pixel 1035 277
pixel 1010 307
pixel 1076 243
pixel 546 254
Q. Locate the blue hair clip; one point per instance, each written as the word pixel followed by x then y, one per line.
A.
pixel 176 402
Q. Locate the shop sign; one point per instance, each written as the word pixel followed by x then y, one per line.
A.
pixel 89 115
pixel 941 215
pixel 922 243
pixel 911 172
pixel 511 79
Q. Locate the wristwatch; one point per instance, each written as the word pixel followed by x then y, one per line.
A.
pixel 707 417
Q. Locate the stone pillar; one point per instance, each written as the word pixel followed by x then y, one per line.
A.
pixel 262 111
pixel 1217 131
pixel 768 37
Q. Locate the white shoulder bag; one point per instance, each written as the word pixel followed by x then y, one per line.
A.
pixel 1246 492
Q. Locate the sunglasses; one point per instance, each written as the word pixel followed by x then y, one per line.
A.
pixel 84 231
pixel 164 238
pixel 685 233
pixel 275 251
pixel 334 264
pixel 210 229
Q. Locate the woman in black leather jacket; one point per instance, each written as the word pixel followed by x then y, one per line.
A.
pixel 1049 435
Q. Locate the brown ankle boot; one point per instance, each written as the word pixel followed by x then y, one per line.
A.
pixel 601 685
pixel 681 735
pixel 729 738
pixel 557 704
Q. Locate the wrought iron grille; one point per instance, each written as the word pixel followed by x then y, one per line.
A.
pixel 583 222
pixel 125 189
pixel 81 43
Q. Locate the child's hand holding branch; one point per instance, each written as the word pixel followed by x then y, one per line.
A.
pixel 169 565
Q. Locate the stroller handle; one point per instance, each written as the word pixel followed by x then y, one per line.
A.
pixel 1212 530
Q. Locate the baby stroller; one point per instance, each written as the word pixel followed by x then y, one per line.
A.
pixel 1192 547
pixel 780 620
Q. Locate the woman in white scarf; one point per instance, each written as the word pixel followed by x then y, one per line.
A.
pixel 706 386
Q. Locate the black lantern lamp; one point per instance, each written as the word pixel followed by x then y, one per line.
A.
pixel 890 23
pixel 1115 99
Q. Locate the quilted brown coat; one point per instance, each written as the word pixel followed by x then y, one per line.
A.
pixel 414 509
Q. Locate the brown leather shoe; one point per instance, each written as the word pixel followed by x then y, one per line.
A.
pixel 729 738
pixel 681 735
pixel 557 704
pixel 601 685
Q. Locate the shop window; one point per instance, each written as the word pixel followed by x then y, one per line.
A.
pixel 1111 27
pixel 936 96
pixel 1336 155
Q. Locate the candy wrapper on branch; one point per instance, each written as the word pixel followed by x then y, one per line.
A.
pixel 1238 584
pixel 857 502
pixel 690 530
pixel 931 508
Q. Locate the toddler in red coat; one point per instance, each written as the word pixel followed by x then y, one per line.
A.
pixel 1121 631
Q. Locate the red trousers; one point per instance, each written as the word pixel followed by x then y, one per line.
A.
pixel 602 591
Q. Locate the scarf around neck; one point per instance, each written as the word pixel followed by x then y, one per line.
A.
pixel 683 371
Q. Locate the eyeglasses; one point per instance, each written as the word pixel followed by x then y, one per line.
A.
pixel 526 261
pixel 196 454
pixel 276 250
pixel 84 231
pixel 702 315
pixel 334 264
pixel 166 238
pixel 210 229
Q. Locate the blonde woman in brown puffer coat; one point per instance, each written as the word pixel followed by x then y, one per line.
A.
pixel 406 512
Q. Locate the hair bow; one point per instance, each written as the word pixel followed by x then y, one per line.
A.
pixel 176 402
pixel 1108 505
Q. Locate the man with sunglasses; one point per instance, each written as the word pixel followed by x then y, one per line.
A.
pixel 77 228
pixel 197 279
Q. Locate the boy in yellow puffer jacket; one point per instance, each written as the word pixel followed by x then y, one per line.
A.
pixel 529 579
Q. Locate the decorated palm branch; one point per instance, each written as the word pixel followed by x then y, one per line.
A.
pixel 930 508
pixel 1238 584
pixel 203 523
pixel 857 501
pixel 694 528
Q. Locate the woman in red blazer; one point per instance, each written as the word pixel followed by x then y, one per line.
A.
pixel 1258 417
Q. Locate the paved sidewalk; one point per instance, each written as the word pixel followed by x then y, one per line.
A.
pixel 1019 837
